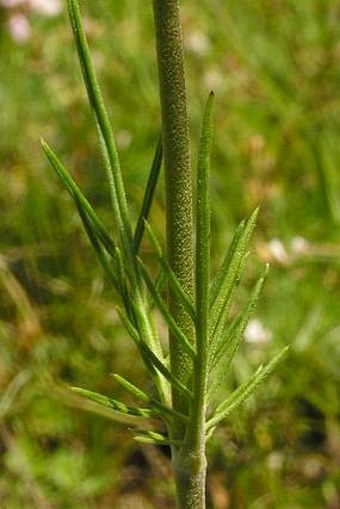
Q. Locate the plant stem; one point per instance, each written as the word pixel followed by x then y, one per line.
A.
pixel 189 463
pixel 178 178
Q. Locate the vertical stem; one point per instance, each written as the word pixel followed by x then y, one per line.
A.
pixel 188 461
pixel 178 178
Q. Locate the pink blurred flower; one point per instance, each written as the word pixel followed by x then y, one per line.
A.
pixel 11 3
pixel 20 28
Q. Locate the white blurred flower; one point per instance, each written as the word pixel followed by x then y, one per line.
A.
pixel 256 333
pixel 278 251
pixel 46 7
pixel 300 245
pixel 20 28
pixel 11 3
pixel 198 43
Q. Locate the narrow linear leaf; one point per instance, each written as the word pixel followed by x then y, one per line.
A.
pixel 130 387
pixel 136 337
pixel 129 326
pixel 123 280
pixel 229 274
pixel 226 347
pixel 106 137
pixel 175 285
pixel 164 410
pixel 203 236
pixel 149 357
pixel 114 404
pixel 148 196
pixel 103 259
pixel 79 198
pixel 165 371
pixel 218 280
pixel 159 286
pixel 151 437
pixel 175 329
pixel 245 390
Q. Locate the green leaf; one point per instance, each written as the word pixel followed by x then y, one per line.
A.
pixel 203 237
pixel 152 437
pixel 175 285
pixel 165 371
pixel 103 259
pixel 228 276
pixel 97 227
pixel 244 391
pixel 114 404
pixel 148 196
pixel 131 388
pixel 106 137
pixel 226 346
pixel 163 410
pixel 175 329
pixel 136 337
pixel 150 358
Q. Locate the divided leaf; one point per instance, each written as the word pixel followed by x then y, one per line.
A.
pixel 163 410
pixel 165 371
pixel 106 137
pixel 79 198
pixel 175 285
pixel 115 405
pixel 152 437
pixel 226 345
pixel 244 391
pixel 150 358
pixel 228 276
pixel 175 329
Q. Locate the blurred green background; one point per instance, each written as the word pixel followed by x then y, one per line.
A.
pixel 274 66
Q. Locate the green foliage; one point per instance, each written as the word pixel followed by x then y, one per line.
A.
pixel 56 308
pixel 125 271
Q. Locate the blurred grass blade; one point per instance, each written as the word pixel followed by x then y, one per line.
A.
pixel 163 410
pixel 82 203
pixel 175 285
pixel 244 391
pixel 226 280
pixel 11 391
pixel 226 347
pixel 148 195
pixel 106 137
pixel 151 437
pixel 175 329
pixel 203 235
pixel 114 404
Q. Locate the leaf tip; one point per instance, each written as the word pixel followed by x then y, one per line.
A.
pixel 77 390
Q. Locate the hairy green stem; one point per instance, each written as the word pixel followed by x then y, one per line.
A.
pixel 179 216
pixel 188 460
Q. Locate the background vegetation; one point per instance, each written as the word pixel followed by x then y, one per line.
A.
pixel 274 66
